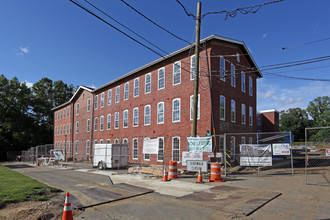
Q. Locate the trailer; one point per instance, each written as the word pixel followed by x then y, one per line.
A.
pixel 110 156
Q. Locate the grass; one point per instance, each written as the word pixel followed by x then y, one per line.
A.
pixel 15 187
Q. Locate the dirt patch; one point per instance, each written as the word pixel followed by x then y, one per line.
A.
pixel 32 210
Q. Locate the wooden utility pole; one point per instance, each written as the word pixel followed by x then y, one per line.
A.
pixel 196 73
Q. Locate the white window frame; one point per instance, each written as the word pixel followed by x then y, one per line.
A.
pixel 96 102
pixel 126 91
pixel 117 98
pixel 161 113
pixel 101 141
pixel 146 84
pixel 77 127
pixel 108 141
pixel 145 115
pixel 243 86
pixel 238 58
pixel 243 114
pixel 77 109
pixel 233 111
pixel 76 147
pixel 146 157
pixel 101 123
pixel 116 120
pixel 250 140
pixel 250 116
pixel 232 75
pixel 198 107
pixel 88 125
pixel 64 113
pixel 174 110
pixel 135 156
pixel 192 67
pixel 109 96
pixel 161 79
pixel 89 105
pixel 222 108
pixel 232 148
pixel 125 140
pixel 102 100
pixel 243 140
pixel 136 118
pixel 178 73
pixel 116 141
pixel 109 122
pixel 67 112
pixel 176 149
pixel 95 124
pixel 250 86
pixel 161 150
pixel 125 119
pixel 136 87
pixel 87 147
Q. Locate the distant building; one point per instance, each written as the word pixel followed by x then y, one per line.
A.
pixel 268 121
pixel 155 101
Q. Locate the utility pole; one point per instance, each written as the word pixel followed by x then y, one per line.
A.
pixel 196 73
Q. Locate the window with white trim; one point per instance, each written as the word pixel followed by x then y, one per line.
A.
pixel 250 140
pixel 243 81
pixel 102 100
pixel 108 121
pixel 63 129
pixel 250 116
pixel 192 67
pixel 135 148
pixel 232 148
pixel 222 108
pixel 250 86
pixel 108 141
pixel 95 142
pixel 232 76
pixel 101 141
pixel 136 87
pixel 116 120
pixel 160 155
pixel 147 113
pixel 147 156
pixel 88 125
pixel 126 90
pixel 109 96
pixel 125 141
pixel 147 83
pixel 77 127
pixel 67 112
pixel 64 113
pixel 177 73
pixel 238 58
pixel 88 104
pixel 117 94
pixel 76 147
pixel 101 123
pixel 222 68
pixel 161 78
pixel 77 109
pixel 243 140
pixel 192 106
pixel 96 102
pixel 160 113
pixel 95 124
pixel 136 117
pixel 70 128
pixel 233 111
pixel 87 147
pixel 176 149
pixel 116 141
pixel 243 118
pixel 125 119
pixel 176 110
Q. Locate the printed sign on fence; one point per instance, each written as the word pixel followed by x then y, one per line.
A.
pixel 197 155
pixel 281 149
pixel 194 165
pixel 150 146
pixel 327 152
pixel 256 155
pixel 199 144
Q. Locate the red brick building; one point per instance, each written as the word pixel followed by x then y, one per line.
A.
pixel 268 121
pixel 155 101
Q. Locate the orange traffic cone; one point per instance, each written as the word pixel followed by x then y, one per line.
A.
pixel 67 213
pixel 165 176
pixel 199 177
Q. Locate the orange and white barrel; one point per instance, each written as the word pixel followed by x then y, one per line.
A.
pixel 173 170
pixel 215 173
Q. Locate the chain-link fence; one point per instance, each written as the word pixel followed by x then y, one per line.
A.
pixel 317 156
pixel 14 155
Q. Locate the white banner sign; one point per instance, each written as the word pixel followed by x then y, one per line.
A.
pixel 194 165
pixel 327 152
pixel 191 156
pixel 281 149
pixel 150 146
pixel 199 144
pixel 256 155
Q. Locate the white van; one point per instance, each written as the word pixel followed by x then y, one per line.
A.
pixel 110 155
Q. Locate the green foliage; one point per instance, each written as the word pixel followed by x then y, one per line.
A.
pixel 15 187
pixel 319 110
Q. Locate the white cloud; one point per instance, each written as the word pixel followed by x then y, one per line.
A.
pixel 28 84
pixel 22 50
pixel 264 35
pixel 92 86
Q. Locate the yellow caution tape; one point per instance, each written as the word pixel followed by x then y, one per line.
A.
pixel 227 155
pixel 228 163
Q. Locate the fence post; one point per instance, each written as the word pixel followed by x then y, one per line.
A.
pixel 292 170
pixel 225 152
pixel 305 155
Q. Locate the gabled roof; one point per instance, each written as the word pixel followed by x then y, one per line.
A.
pixel 89 89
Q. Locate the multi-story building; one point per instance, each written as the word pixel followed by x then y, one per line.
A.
pixel 155 101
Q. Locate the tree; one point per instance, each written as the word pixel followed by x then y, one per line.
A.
pixel 295 120
pixel 319 110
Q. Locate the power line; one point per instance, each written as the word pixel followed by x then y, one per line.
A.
pixel 185 10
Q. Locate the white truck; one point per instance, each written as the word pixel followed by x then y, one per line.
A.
pixel 110 155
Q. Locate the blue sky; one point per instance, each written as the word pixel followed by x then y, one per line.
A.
pixel 58 40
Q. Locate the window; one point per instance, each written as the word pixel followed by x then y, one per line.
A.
pixel 96 101
pixel 125 119
pixel 64 113
pixel 58 130
pixel 109 96
pixel 192 107
pixel 77 109
pixel 232 76
pixel 222 108
pixel 101 123
pixel 243 81
pixel 232 148
pixel 161 78
pixel 95 124
pixel 160 156
pixel 222 69
pixel 88 125
pixel 67 128
pixel 70 128
pixel 88 105
pixel 238 57
pixel 135 117
pixel 102 100
pixel 116 120
pixel 176 110
pixel 250 86
pixel 250 116
pixel 76 147
pixel 77 127
pixel 233 111
pixel 192 67
pixel 243 119
pixel 108 141
pixel 136 87
pixel 160 113
pixel 55 116
pixel 243 140
pixel 147 115
pixel 176 149
pixel 109 122
pixel 148 83
pixel 177 73
pixel 67 112
pixel 117 94
pixel 221 143
pixel 63 129
pixel 116 141
pixel 250 140
pixel 87 147
pixel 70 147
pixel 70 110
pixel 95 142
pixel 101 141
pixel 147 156
pixel 135 148
pixel 126 89
pixel 125 141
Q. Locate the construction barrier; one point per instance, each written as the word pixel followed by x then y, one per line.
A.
pixel 173 170
pixel 215 173
pixel 165 176
pixel 67 212
pixel 200 177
